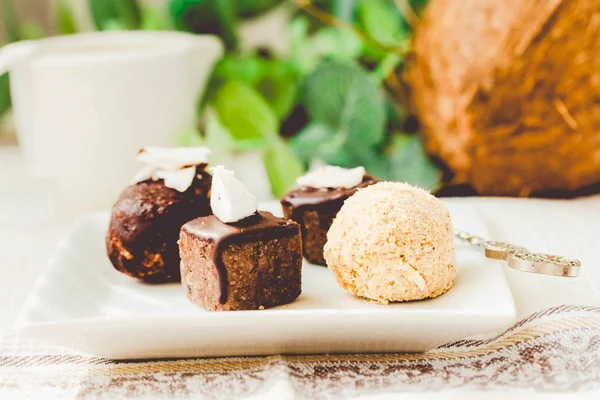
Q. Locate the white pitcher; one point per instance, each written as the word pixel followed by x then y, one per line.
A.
pixel 84 104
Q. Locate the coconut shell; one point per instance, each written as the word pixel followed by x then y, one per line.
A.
pixel 508 92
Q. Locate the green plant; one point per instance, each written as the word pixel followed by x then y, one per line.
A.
pixel 336 94
pixel 336 97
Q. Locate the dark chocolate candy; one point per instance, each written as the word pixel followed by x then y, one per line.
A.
pixel 260 227
pixel 314 209
pixel 144 228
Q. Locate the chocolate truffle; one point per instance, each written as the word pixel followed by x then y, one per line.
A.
pixel 251 264
pixel 144 227
pixel 314 208
pixel 392 242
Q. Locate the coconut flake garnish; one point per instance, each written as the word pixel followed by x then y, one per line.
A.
pixel 230 199
pixel 329 176
pixel 176 166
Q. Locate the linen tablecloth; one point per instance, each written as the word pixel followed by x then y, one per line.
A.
pixel 555 346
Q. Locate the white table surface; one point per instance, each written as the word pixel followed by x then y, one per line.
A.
pixel 29 233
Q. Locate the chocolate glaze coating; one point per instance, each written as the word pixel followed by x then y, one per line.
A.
pixel 314 209
pixel 144 227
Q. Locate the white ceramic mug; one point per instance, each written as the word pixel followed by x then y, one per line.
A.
pixel 84 104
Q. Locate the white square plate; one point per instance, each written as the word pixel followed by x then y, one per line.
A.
pixel 82 303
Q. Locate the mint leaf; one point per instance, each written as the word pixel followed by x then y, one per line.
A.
pixel 246 114
pixel 103 11
pixel 303 54
pixel 115 14
pixel 113 25
pixel 206 16
pixel 319 143
pixel 152 20
pixel 348 100
pixel 344 9
pixel 316 141
pixel 128 13
pixel 387 66
pixel 408 162
pixel 246 69
pixel 278 86
pixel 337 44
pixel 225 13
pixel 282 167
pixel 380 20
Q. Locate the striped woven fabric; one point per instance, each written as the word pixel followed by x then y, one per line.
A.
pixel 557 349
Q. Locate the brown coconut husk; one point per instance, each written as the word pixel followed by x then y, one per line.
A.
pixel 508 92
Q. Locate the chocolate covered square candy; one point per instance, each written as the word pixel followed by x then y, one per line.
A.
pixel 317 200
pixel 252 264
pixel 239 258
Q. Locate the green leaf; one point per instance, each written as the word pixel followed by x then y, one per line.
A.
pixel 316 142
pixel 102 12
pixel 128 13
pixel 246 69
pixel 386 66
pixel 225 11
pixel 114 25
pixel 409 163
pixel 373 54
pixel 344 9
pixel 337 44
pixel 110 14
pixel 278 86
pixel 152 20
pixel 304 55
pixel 380 20
pixel 179 8
pixel 319 143
pixel 349 101
pixel 64 18
pixel 4 94
pixel 246 114
pixel 282 167
pixel 308 51
pixel 11 21
pixel 206 16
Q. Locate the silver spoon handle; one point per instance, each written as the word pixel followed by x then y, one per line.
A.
pixel 522 259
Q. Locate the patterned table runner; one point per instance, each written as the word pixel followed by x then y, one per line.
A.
pixel 557 349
